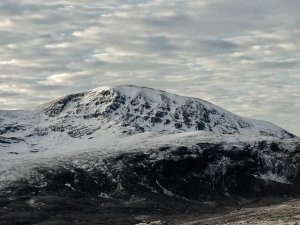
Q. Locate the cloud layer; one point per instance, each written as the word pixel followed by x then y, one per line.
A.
pixel 243 56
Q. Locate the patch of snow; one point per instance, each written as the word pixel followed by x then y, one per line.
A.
pixel 273 177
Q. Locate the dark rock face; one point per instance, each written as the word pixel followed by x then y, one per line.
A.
pixel 11 128
pixel 208 170
pixel 10 140
pixel 58 106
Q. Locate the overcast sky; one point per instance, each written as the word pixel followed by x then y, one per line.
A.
pixel 241 55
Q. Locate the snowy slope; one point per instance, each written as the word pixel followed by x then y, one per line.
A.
pixel 140 109
pixel 108 113
pixel 143 109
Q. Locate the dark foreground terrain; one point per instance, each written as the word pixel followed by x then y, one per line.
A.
pixel 151 209
pixel 201 184
pixel 260 212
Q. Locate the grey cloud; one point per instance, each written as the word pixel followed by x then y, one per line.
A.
pixel 278 65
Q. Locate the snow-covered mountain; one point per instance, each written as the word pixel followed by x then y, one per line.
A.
pixel 119 119
pixel 129 145
pixel 123 110
pixel 140 109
